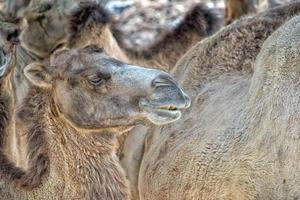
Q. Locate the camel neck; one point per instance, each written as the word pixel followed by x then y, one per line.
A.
pixel 88 161
pixel 85 161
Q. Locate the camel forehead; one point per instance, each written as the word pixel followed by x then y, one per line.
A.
pixel 74 61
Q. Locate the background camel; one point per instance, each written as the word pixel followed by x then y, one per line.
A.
pixel 227 47
pixel 72 112
pixel 214 56
pixel 16 83
pixel 239 140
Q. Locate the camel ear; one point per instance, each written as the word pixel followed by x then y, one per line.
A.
pixel 38 75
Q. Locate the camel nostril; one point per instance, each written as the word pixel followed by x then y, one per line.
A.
pixel 163 80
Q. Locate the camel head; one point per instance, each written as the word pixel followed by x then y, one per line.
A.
pixel 50 25
pixel 43 28
pixel 93 91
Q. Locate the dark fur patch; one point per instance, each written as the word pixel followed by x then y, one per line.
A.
pixel 4 115
pixel 86 14
pixel 30 113
pixel 8 171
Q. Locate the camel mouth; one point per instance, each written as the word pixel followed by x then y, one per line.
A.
pixel 161 114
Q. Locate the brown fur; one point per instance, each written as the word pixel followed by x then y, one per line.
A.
pixel 36 153
pixel 69 147
pixel 240 139
pixel 231 50
pixel 8 35
pixel 33 113
pixel 38 161
pixel 237 140
pixel 8 171
pixel 248 33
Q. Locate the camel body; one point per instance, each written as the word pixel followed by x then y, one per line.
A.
pixel 239 139
pixel 207 69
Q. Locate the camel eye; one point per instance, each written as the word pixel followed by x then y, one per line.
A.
pixel 96 81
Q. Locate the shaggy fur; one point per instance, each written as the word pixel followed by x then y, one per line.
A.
pixel 240 138
pixel 231 50
pixel 32 112
pixel 38 160
pixel 245 37
pixel 7 169
pixel 70 124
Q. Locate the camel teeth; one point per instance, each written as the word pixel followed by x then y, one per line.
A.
pixel 172 108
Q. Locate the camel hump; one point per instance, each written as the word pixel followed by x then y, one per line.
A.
pixel 277 68
pixel 280 52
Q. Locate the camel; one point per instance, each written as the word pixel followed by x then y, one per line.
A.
pixel 73 110
pixel 45 29
pixel 240 138
pixel 233 48
pixel 247 33
pixel 234 9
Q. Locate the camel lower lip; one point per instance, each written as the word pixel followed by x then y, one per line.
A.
pixel 160 115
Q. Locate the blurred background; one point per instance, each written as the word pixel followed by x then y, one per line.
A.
pixel 141 22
